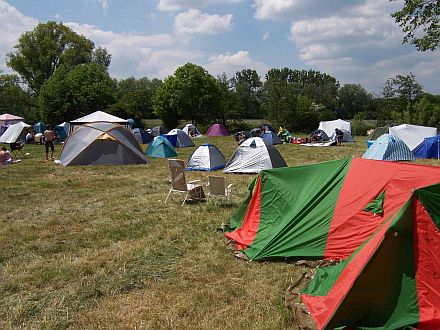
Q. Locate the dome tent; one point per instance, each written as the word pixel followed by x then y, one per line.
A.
pixel 329 126
pixel 253 156
pixel 429 148
pixel 412 135
pixel 207 157
pixel 389 147
pixel 187 130
pixel 217 130
pixel 270 137
pixel 158 130
pixel 347 136
pixel 39 127
pixel 142 136
pixel 161 148
pixel 101 144
pixel 62 130
pixel 182 139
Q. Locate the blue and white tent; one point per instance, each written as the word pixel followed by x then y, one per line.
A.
pixel 429 148
pixel 207 157
pixel 389 147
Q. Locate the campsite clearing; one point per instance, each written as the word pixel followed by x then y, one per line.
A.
pixel 96 247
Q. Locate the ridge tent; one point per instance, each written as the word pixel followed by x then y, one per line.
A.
pixel 271 137
pixel 391 281
pixel 347 136
pixel 318 211
pixel 253 156
pixel 141 136
pixel 412 135
pixel 377 132
pixel 329 126
pixel 182 139
pixel 161 148
pixel 62 130
pixel 39 127
pixel 158 130
pixel 429 148
pixel 389 147
pixel 207 157
pixel 190 127
pixel 101 144
pixel 14 132
pixel 217 130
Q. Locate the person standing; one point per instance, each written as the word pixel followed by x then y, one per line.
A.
pixel 49 136
pixel 339 136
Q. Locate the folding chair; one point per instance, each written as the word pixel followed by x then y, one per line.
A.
pixel 17 148
pixel 217 187
pixel 190 189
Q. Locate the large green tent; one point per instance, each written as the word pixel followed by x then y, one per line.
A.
pixel 380 219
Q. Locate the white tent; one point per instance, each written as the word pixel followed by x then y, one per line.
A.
pixel 188 127
pixel 13 132
pixel 99 116
pixel 329 126
pixel 183 140
pixel 207 157
pixel 412 135
pixel 8 119
pixel 253 156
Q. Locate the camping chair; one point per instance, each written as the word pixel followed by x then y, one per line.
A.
pixel 17 148
pixel 217 187
pixel 179 184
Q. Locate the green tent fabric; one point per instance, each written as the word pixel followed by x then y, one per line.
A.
pixel 388 274
pixel 161 148
pixel 389 282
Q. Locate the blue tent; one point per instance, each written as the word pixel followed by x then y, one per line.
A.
pixel 39 127
pixel 429 148
pixel 161 148
pixel 62 131
pixel 389 147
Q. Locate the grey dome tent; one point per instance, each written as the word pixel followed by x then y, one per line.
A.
pixel 190 127
pixel 101 144
pixel 253 156
pixel 158 130
pixel 142 136
pixel 347 136
pixel 270 137
pixel 182 139
pixel 207 157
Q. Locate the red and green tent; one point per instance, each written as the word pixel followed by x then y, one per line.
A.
pixel 324 210
pixel 380 219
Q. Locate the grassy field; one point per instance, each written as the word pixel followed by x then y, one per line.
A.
pixel 96 247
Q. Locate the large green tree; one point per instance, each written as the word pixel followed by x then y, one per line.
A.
pixel 420 21
pixel 72 92
pixel 13 99
pixel 191 94
pixel 231 106
pixel 353 99
pixel 247 85
pixel 41 51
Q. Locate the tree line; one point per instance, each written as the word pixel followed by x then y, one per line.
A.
pixel 60 76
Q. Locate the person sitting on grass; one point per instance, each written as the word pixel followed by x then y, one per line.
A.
pixel 49 137
pixel 5 156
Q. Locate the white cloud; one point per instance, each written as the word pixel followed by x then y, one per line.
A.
pixel 13 24
pixel 231 63
pixel 361 44
pixel 266 36
pixel 105 4
pixel 194 21
pixel 293 9
pixel 176 5
pixel 129 52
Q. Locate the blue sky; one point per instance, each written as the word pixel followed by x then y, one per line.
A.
pixel 356 41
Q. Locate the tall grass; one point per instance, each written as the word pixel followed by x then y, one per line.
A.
pixel 96 247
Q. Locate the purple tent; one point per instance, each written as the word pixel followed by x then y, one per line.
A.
pixel 217 130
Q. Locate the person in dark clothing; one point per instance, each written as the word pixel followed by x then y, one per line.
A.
pixel 339 136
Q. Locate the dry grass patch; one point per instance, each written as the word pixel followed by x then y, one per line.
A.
pixel 96 247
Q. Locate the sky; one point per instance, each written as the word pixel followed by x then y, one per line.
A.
pixel 355 41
